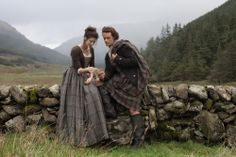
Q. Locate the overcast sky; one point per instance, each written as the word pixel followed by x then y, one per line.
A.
pixel 51 22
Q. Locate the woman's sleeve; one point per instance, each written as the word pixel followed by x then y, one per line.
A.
pixel 92 62
pixel 75 56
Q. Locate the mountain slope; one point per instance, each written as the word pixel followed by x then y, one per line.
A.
pixel 190 52
pixel 13 41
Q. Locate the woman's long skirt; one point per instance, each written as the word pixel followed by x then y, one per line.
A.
pixel 81 120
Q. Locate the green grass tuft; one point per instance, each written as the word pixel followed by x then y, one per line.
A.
pixel 36 143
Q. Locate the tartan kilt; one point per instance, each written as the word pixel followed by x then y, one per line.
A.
pixel 124 92
pixel 81 120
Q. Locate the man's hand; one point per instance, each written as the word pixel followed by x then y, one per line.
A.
pixel 101 75
pixel 98 82
pixel 113 56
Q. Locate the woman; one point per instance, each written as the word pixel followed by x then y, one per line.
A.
pixel 81 120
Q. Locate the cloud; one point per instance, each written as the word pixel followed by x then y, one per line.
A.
pixel 50 22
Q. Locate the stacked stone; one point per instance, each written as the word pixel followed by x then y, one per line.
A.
pixel 183 112
pixel 200 113
pixel 29 105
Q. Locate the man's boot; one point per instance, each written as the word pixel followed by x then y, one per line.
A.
pixel 108 105
pixel 138 131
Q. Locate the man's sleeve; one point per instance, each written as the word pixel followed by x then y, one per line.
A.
pixel 126 57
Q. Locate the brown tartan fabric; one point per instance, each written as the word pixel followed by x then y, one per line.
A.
pixel 81 120
pixel 121 88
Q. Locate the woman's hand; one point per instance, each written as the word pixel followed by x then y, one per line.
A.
pixel 86 70
pixel 79 71
pixel 89 80
pixel 91 70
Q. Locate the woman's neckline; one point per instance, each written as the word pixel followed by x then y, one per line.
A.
pixel 83 52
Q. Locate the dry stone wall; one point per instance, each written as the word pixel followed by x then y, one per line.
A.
pixel 205 114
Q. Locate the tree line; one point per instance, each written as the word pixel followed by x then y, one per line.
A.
pixel 204 49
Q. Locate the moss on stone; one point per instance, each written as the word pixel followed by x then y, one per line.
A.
pixel 32 95
pixel 167 131
pixel 32 108
pixel 208 104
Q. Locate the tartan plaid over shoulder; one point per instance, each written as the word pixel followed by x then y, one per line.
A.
pixel 120 88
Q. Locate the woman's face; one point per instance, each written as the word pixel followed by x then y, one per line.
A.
pixel 90 41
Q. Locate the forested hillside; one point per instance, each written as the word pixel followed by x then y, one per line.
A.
pixel 203 49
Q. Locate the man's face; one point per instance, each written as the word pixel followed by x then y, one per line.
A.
pixel 108 38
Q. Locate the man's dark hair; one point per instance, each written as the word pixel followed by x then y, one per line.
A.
pixel 112 30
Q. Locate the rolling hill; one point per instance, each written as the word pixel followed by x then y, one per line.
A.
pixel 13 42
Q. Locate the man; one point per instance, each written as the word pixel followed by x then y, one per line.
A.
pixel 124 79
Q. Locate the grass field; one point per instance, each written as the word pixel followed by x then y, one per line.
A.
pixel 48 74
pixel 40 74
pixel 204 82
pixel 36 143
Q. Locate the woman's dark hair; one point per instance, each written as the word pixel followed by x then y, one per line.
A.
pixel 112 30
pixel 90 32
